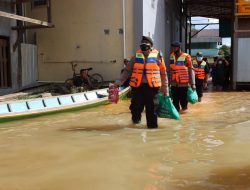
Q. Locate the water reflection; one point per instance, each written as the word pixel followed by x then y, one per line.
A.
pixel 101 149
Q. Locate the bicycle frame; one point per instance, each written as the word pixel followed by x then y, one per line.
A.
pixel 73 67
pixel 95 82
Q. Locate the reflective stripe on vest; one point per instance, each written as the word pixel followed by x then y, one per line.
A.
pixel 149 68
pixel 199 69
pixel 178 69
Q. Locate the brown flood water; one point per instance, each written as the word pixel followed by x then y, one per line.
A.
pixel 99 149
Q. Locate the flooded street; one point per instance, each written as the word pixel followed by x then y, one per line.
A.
pixel 99 149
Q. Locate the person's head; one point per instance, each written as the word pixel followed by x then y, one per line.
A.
pixel 205 59
pixel 215 58
pixel 176 47
pixel 199 56
pixel 126 62
pixel 146 45
pixel 227 57
pixel 83 73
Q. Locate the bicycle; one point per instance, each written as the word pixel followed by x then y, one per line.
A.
pixel 95 79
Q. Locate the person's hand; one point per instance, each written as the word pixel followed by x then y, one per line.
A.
pixel 205 85
pixel 164 91
pixel 117 83
pixel 166 94
pixel 193 87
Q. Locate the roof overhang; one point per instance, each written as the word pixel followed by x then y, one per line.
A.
pixel 25 19
pixel 219 9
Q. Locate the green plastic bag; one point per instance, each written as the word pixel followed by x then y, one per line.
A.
pixel 166 108
pixel 192 96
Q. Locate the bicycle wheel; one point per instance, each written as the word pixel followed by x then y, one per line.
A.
pixel 96 80
pixel 68 83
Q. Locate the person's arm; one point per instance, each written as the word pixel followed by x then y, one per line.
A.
pixel 226 62
pixel 191 73
pixel 164 77
pixel 127 72
pixel 206 75
pixel 90 85
pixel 207 71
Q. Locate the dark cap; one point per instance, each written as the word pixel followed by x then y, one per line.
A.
pixel 148 39
pixel 199 54
pixel 126 60
pixel 176 44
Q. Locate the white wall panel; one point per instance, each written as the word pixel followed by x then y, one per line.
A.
pixel 243 67
pixel 29 64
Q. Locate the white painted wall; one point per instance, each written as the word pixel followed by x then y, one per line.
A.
pixel 160 20
pixel 154 21
pixel 243 66
pixel 79 35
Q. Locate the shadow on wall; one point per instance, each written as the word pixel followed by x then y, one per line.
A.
pixel 165 29
pixel 160 34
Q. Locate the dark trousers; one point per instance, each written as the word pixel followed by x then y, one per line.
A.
pixel 144 96
pixel 179 95
pixel 199 83
pixel 199 90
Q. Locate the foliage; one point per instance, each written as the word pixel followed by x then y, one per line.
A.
pixel 225 50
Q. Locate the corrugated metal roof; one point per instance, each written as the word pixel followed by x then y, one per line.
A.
pixel 207 39
pixel 209 8
pixel 208 33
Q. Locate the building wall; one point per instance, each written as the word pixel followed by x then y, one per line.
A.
pixel 154 22
pixel 241 40
pixel 175 25
pixel 5 30
pixel 5 22
pixel 243 66
pixel 29 64
pixel 204 45
pixel 161 20
pixel 79 35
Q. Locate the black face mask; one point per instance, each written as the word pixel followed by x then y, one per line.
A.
pixel 144 47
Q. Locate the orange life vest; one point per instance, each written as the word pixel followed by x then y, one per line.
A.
pixel 178 69
pixel 199 69
pixel 149 68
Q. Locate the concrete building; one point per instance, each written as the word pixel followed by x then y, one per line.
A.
pixel 236 13
pixel 100 34
pixel 18 59
pixel 97 34
pixel 206 41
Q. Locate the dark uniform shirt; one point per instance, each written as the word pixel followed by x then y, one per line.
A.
pixel 200 81
pixel 78 81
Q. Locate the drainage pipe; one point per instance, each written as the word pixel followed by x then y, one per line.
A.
pixel 124 29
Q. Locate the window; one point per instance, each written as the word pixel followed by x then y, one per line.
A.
pixel 39 2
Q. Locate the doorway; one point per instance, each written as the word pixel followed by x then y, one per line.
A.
pixel 5 73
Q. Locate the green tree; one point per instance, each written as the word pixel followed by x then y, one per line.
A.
pixel 225 50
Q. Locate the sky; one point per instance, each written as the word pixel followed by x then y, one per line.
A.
pixel 202 20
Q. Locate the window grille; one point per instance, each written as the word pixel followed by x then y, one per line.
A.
pixel 39 2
